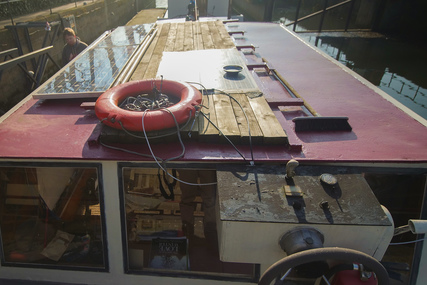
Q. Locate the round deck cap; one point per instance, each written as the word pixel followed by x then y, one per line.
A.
pixel 232 69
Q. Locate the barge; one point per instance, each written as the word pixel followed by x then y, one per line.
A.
pixel 285 165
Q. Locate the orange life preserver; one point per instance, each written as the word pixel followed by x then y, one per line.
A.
pixel 108 111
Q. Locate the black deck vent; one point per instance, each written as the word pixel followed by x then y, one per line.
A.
pixel 321 124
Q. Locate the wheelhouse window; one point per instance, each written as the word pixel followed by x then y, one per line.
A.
pixel 52 217
pixel 171 225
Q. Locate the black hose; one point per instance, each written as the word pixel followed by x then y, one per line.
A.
pixel 319 254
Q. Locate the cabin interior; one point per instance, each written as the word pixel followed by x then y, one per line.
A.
pixel 56 220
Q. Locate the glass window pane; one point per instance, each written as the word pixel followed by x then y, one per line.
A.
pixel 51 216
pixel 171 226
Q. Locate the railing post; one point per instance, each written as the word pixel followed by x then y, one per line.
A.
pixel 10 12
pixel 268 10
pixel 323 15
pixel 349 15
pixel 296 16
pixel 230 3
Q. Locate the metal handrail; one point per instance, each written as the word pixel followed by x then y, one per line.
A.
pixel 322 12
pixel 22 58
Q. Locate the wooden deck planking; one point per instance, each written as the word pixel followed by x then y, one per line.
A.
pixel 156 57
pixel 141 70
pixel 270 126
pixel 191 130
pixel 179 39
pixel 220 42
pixel 216 37
pixel 223 112
pixel 225 37
pixel 207 130
pixel 170 42
pixel 255 131
pixel 198 41
pixel 188 36
pixel 226 120
pixel 206 36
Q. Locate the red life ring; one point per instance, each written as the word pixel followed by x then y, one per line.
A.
pixel 108 111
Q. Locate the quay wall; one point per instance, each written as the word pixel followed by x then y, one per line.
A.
pixel 91 20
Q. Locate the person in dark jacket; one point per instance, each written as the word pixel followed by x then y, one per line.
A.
pixel 72 47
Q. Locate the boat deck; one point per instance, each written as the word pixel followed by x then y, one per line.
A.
pixel 61 129
pixel 43 133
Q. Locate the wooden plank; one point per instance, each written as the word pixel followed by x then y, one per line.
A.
pixel 188 36
pixel 225 36
pixel 198 41
pixel 153 65
pixel 270 126
pixel 208 132
pixel 179 40
pixel 170 42
pixel 191 130
pixel 216 37
pixel 141 69
pixel 225 116
pixel 146 16
pixel 206 36
pixel 255 131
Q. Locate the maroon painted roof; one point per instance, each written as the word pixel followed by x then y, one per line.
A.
pixel 61 129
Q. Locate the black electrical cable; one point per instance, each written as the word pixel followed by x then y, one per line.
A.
pixel 232 144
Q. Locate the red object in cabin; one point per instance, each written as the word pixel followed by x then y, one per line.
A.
pixel 352 277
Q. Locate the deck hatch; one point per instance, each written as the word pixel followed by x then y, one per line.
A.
pixel 206 67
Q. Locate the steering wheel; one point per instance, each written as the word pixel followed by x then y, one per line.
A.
pixel 321 254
